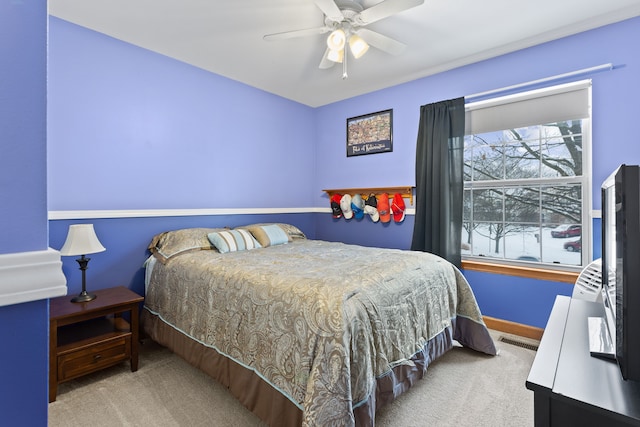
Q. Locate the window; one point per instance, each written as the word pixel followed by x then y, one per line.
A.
pixel 527 191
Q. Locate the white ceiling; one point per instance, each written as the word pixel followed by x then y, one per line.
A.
pixel 226 37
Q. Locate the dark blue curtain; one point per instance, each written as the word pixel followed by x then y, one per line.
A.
pixel 439 180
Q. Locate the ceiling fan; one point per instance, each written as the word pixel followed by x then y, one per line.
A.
pixel 345 20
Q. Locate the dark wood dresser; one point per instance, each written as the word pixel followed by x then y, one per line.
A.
pixel 571 387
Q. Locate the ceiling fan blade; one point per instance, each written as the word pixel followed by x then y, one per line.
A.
pixel 296 33
pixel 381 42
pixel 330 9
pixel 326 62
pixel 385 9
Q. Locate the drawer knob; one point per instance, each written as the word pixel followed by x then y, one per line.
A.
pixel 97 357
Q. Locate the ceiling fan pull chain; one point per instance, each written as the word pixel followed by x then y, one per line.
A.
pixel 344 64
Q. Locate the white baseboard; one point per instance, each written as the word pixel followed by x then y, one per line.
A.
pixel 31 276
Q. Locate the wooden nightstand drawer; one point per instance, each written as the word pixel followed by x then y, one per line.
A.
pixel 80 361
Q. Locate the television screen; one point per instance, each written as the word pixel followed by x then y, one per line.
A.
pixel 621 266
pixel 609 261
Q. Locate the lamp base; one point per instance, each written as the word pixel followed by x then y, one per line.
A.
pixel 84 296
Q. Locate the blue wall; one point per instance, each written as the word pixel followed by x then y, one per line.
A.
pixel 23 208
pixel 131 129
pixel 23 205
pixel 167 135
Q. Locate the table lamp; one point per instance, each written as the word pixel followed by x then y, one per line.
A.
pixel 82 240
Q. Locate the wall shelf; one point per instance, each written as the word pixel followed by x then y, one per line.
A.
pixel 406 191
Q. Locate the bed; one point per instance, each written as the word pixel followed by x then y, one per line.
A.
pixel 301 331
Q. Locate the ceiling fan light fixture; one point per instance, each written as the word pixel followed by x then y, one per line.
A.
pixel 358 46
pixel 337 40
pixel 335 55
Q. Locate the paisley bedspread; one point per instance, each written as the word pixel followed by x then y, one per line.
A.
pixel 319 321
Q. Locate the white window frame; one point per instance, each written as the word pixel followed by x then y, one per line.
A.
pixel 569 101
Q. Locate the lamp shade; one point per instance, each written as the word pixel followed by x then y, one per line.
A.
pixel 335 55
pixel 358 46
pixel 336 39
pixel 81 240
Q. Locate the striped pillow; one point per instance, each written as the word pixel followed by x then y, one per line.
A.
pixel 269 235
pixel 233 241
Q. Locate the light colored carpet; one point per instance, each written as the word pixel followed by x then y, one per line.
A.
pixel 463 388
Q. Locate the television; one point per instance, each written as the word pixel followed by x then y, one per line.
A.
pixel 621 267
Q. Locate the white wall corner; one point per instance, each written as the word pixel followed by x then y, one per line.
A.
pixel 31 276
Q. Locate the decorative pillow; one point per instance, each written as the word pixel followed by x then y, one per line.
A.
pixel 165 245
pixel 292 231
pixel 233 241
pixel 269 235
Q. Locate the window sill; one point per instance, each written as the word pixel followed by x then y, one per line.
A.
pixel 529 272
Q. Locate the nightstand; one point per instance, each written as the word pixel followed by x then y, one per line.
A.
pixel 89 336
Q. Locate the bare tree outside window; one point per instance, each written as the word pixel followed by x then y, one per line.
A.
pixel 520 184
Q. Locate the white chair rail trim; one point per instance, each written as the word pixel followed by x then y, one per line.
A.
pixel 31 276
pixel 147 213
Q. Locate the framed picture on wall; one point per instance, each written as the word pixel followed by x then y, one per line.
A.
pixel 369 134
